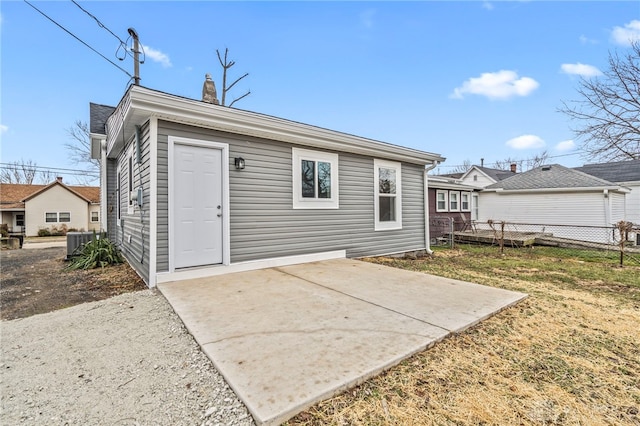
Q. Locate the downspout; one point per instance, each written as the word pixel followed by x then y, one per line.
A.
pixel 103 185
pixel 427 237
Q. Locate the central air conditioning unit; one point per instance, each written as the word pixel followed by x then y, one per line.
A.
pixel 77 239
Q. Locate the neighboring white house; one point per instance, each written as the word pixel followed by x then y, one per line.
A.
pixel 557 195
pixel 481 177
pixel 28 208
pixel 625 173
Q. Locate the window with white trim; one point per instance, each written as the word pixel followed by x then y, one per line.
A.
pixel 388 195
pixel 454 201
pixel 442 199
pixel 315 179
pixel 57 217
pixel 465 201
pixel 119 197
pixel 95 217
pixel 474 206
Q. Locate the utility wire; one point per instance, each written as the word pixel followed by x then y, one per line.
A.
pixel 552 156
pixel 100 24
pixel 77 38
pixel 11 166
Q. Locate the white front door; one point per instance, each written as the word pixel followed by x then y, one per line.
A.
pixel 197 200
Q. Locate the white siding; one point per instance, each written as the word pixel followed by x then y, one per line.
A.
pixel 633 202
pixel 55 200
pixel 482 182
pixel 584 209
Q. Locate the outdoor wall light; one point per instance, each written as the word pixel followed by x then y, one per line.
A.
pixel 239 163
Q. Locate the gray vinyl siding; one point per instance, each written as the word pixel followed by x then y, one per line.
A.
pixel 263 222
pixel 135 225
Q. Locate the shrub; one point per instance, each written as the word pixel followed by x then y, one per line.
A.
pixel 4 230
pixel 44 232
pixel 99 252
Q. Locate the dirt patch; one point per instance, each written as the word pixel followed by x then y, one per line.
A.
pixel 36 281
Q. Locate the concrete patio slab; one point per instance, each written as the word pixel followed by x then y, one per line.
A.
pixel 285 338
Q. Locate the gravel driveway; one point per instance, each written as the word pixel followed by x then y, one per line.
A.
pixel 126 360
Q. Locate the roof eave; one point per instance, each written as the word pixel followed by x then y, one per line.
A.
pixel 140 103
pixel 578 189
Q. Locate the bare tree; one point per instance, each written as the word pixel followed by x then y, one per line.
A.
pixel 462 168
pixel 522 164
pixel 608 113
pixel 79 151
pixel 226 64
pixel 24 172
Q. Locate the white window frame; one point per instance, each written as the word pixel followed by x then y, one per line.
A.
pixel 118 195
pixel 300 202
pixel 446 200
pixel 457 201
pixel 97 218
pixel 130 185
pixel 389 225
pixel 468 208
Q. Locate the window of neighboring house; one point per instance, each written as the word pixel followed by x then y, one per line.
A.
pixel 388 195
pixel 315 179
pixel 64 217
pixel 95 217
pixel 50 217
pixel 465 201
pixel 441 201
pixel 454 201
pixel 20 219
pixel 475 178
pixel 474 204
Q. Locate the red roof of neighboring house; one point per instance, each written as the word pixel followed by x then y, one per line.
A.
pixel 13 195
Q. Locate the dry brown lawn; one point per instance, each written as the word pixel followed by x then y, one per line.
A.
pixel 567 355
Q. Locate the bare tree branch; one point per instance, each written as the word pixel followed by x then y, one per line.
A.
pixel 607 115
pixel 24 172
pixel 226 65
pixel 79 152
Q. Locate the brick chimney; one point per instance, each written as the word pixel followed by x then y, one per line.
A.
pixel 513 167
pixel 59 179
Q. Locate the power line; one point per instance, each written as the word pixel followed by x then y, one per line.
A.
pixel 553 156
pixel 77 38
pixel 103 26
pixel 78 172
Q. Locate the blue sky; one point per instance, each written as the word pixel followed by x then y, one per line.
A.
pixel 467 80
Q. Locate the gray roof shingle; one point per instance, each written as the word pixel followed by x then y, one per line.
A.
pixel 552 176
pixel 619 171
pixel 98 115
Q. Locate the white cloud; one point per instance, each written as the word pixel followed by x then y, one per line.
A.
pixel 503 84
pixel 586 40
pixel 627 34
pixel 157 56
pixel 581 70
pixel 3 128
pixel 366 18
pixel 487 5
pixel 526 142
pixel 568 145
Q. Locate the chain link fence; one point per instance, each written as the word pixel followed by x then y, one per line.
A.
pixel 616 243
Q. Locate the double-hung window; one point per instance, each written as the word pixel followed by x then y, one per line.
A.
pixel 454 201
pixel 95 217
pixel 442 198
pixel 51 217
pixel 387 195
pixel 315 179
pixel 64 217
pixel 465 201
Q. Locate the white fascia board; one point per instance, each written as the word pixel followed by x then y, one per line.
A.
pixel 556 190
pixel 171 108
pixel 477 170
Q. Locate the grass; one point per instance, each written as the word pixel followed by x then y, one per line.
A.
pixel 569 354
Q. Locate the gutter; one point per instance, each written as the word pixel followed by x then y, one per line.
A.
pixel 427 236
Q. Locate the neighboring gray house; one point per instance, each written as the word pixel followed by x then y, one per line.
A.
pixel 625 173
pixel 557 195
pixel 195 189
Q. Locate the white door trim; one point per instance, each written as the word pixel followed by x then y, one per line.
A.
pixel 173 140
